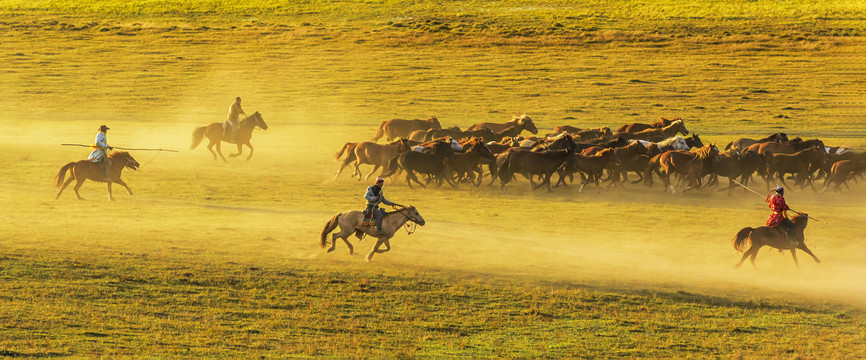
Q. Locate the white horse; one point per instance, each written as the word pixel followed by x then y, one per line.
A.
pixel 675 142
pixel 350 222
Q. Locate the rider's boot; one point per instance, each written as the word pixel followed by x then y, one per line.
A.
pixel 378 220
pixel 106 170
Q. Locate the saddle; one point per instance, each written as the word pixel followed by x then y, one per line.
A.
pixel 368 218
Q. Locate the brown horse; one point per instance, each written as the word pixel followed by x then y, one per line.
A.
pixel 841 171
pixel 350 221
pixel 657 134
pixel 465 165
pixel 590 167
pixel 687 165
pixel 772 236
pixel 800 164
pixel 431 163
pixel 532 163
pixel 401 128
pixel 524 121
pixel 216 135
pixel 88 170
pixel 378 155
pixel 636 127
pixel 743 143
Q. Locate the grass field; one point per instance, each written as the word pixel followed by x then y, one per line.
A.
pixel 212 259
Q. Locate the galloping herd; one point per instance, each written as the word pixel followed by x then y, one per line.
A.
pixel 423 148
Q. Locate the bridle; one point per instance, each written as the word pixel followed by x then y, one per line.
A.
pixel 409 228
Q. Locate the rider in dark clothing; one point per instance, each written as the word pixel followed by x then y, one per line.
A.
pixel 375 195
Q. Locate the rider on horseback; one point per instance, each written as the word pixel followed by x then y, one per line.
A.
pixel 235 112
pixel 375 195
pixel 99 154
pixel 779 217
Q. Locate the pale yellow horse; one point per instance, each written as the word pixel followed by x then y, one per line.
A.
pixel 350 222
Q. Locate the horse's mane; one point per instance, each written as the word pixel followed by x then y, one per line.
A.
pixel 704 152
pixel 776 136
pixel 670 140
pixel 118 153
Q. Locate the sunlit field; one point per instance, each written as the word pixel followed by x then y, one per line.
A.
pixel 213 259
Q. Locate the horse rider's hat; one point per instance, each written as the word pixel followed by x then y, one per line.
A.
pixel 780 190
pixel 103 128
pixel 380 180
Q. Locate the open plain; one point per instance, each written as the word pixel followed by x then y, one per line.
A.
pixel 221 260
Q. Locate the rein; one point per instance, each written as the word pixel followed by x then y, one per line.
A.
pixel 409 228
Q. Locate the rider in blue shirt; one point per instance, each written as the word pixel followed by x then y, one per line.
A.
pixel 375 195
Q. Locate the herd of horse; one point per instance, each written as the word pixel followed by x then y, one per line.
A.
pixel 660 150
pixel 663 149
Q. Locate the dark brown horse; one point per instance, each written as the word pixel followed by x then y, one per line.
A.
pixel 432 163
pixel 216 135
pixel 775 237
pixel 636 127
pixel 524 121
pixel 532 163
pixel 88 170
pixel 395 128
pixel 467 165
pixel 743 143
pixel 733 164
pixel 590 167
pixel 799 164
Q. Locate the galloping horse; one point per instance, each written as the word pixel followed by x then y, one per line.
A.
pixel 87 170
pixel 772 236
pixel 401 128
pixel 350 222
pixel 636 127
pixel 524 121
pixel 216 135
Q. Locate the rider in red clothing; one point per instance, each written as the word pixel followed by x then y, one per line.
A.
pixel 778 217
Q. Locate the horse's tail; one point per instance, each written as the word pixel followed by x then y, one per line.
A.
pixel 729 145
pixel 742 239
pixel 347 146
pixel 330 226
pixel 61 175
pixel 198 136
pixel 380 132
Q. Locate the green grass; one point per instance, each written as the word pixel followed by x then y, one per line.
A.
pixel 221 260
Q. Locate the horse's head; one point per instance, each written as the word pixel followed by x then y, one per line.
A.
pixel 696 141
pixel 527 124
pixel 256 120
pixel 481 149
pixel 800 220
pixel 681 127
pixel 444 148
pixel 413 215
pixel 124 159
pixel 605 132
pixel 434 122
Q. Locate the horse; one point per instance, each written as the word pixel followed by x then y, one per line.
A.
pixel 564 129
pixel 432 163
pixel 590 134
pixel 468 163
pixel 216 135
pixel 694 141
pixel 592 166
pixel 350 222
pixel 686 164
pixel 88 170
pixel 841 171
pixel 789 147
pixel 378 155
pixel 772 236
pixel 524 121
pixel 349 149
pixel 732 164
pixel 743 143
pixel 532 163
pixel 624 154
pixel 395 128
pixel 799 163
pixel 636 127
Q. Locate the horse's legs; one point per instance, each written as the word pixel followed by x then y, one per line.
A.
pixel 122 183
pixel 220 152
pixel 742 259
pixel 210 148
pixel 387 244
pixel 413 178
pixel 110 197
pixel 251 150
pixel 754 254
pixel 78 186
pixel 794 255
pixel 375 167
pixel 65 184
pixel 805 249
pixel 375 247
pixel 240 150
